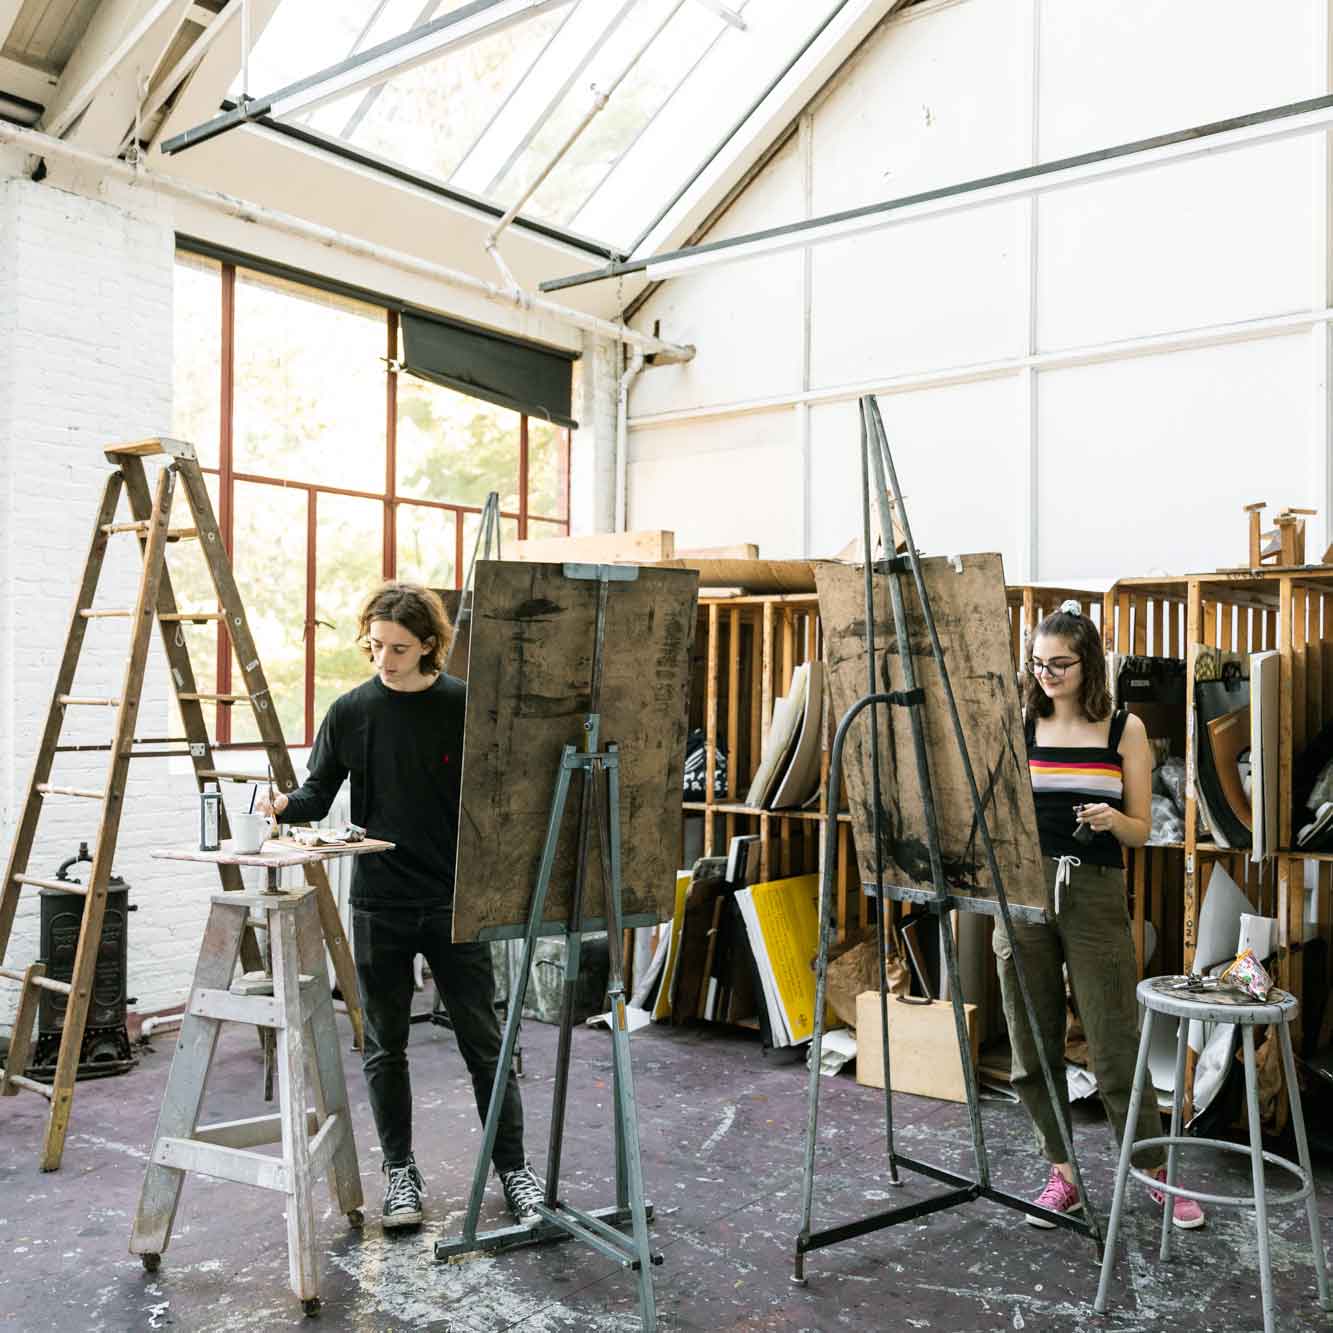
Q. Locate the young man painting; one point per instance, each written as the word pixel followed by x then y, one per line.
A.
pixel 399 736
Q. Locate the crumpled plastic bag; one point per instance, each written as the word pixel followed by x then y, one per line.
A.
pixel 1167 824
pixel 1168 780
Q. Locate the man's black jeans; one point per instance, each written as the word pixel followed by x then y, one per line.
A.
pixel 385 941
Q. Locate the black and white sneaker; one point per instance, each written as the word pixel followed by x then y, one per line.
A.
pixel 523 1192
pixel 402 1196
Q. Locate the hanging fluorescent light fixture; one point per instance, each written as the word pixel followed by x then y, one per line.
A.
pixel 470 23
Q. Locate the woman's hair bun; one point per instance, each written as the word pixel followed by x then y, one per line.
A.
pixel 1072 607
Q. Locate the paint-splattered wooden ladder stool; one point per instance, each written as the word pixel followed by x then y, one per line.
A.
pixel 315 1140
pixel 1170 996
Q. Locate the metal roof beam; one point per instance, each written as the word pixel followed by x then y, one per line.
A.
pixel 468 24
pixel 1259 127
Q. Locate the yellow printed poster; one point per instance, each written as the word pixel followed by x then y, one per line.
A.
pixel 787 912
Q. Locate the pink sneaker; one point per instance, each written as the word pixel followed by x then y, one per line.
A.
pixel 1185 1213
pixel 1059 1196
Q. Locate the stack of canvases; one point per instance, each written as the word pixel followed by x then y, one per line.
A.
pixel 737 951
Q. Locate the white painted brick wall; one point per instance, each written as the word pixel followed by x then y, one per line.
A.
pixel 85 360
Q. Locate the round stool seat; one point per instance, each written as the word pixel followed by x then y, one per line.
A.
pixel 1171 995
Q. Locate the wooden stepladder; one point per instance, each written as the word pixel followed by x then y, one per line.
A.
pixel 150 510
pixel 315 1140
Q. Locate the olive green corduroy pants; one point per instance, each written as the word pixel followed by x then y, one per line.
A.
pixel 1090 935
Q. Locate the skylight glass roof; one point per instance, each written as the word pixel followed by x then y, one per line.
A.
pixel 487 117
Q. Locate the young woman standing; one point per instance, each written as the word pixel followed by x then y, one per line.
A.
pixel 1092 779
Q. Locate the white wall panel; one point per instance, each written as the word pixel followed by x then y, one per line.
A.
pixel 954 450
pixel 922 296
pixel 1213 241
pixel 928 100
pixel 1111 73
pixel 734 481
pixel 1145 465
pixel 746 320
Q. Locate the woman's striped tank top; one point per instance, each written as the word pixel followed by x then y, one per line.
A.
pixel 1070 775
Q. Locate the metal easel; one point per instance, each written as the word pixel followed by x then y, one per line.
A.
pixel 939 901
pixel 599 801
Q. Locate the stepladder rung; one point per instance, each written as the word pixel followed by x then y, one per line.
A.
pixel 86 701
pixel 50 789
pixel 196 617
pixel 45 983
pixel 173 534
pixel 94 613
pixel 223 775
pixel 151 448
pixel 216 698
pixel 60 885
pixel 31 1085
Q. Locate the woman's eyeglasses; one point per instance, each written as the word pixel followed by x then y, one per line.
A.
pixel 1055 668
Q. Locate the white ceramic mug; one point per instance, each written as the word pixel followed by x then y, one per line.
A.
pixel 248 832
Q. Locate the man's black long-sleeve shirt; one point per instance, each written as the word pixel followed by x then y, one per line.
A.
pixel 404 752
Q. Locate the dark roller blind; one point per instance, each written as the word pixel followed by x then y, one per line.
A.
pixel 529 379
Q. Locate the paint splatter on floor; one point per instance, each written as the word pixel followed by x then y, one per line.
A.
pixel 722 1129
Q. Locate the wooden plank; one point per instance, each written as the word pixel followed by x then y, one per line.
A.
pixel 245 1168
pixel 1299 611
pixel 712 653
pixel 329 1084
pixel 1140 605
pixel 738 551
pixel 1313 688
pixel 1159 627
pixel 254 1132
pixel 260 1010
pixel 600 548
pixel 969 611
pixel 733 700
pixel 766 675
pixel 1122 626
pixel 528 694
pixel 1286 719
pixel 788 650
pixel 1177 617
pixel 756 576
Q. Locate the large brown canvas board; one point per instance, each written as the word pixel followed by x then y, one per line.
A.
pixel 972 622
pixel 529 681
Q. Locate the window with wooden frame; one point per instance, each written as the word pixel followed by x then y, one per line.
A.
pixel 331 468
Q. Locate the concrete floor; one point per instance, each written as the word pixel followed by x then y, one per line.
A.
pixel 722 1129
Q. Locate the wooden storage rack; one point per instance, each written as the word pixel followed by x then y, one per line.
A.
pixel 1286 610
pixel 747 649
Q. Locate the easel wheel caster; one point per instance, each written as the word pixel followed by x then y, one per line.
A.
pixel 311 1307
pixel 151 1262
pixel 356 1218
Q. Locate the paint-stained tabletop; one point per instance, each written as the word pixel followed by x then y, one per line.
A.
pixel 275 853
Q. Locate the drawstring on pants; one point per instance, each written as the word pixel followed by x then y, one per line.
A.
pixel 1063 866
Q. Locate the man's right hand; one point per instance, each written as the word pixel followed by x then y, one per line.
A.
pixel 271 803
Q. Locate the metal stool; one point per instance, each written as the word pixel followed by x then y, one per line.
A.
pixel 1169 995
